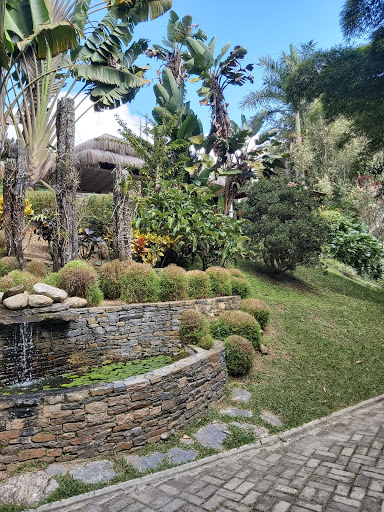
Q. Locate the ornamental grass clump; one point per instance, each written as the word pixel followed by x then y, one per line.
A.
pixel 139 283
pixel 220 281
pixel 237 323
pixel 240 287
pixel 199 284
pixel 239 355
pixel 7 264
pixel 79 279
pixel 173 284
pixel 258 309
pixel 194 329
pixel 109 276
pixel 18 277
pixel 37 268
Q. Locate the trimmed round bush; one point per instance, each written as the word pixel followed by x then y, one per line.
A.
pixel 109 276
pixel 238 323
pixel 138 284
pixel 240 287
pixel 53 279
pixel 239 355
pixel 258 309
pixel 37 268
pixel 194 329
pixel 8 263
pixel 18 277
pixel 199 284
pixel 220 281
pixel 235 272
pixel 77 278
pixel 94 295
pixel 173 284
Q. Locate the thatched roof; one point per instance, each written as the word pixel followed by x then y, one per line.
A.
pixel 96 158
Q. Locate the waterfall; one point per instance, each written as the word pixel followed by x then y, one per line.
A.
pixel 26 340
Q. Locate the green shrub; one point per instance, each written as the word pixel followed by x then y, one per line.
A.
pixel 37 268
pixel 109 276
pixel 194 329
pixel 9 263
pixel 173 284
pixel 286 228
pixel 77 278
pixel 240 287
pixel 258 309
pixel 138 284
pixel 239 323
pixel 220 281
pixel 236 273
pixel 41 200
pixel 96 213
pixel 18 277
pixel 3 244
pixel 53 279
pixel 94 295
pixel 199 284
pixel 239 355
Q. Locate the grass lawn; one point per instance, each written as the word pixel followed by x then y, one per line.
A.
pixel 325 341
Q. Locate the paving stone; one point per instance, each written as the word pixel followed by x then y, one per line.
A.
pixel 234 411
pixel 57 469
pixel 213 435
pixel 180 456
pixel 271 418
pixel 258 431
pixel 93 472
pixel 27 488
pixel 146 462
pixel 240 395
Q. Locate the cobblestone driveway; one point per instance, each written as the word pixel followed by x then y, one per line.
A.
pixel 335 464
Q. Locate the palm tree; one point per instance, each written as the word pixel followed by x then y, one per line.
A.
pixel 361 16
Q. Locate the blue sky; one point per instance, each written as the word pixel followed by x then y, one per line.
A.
pixel 262 27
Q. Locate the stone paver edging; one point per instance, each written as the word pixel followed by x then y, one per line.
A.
pixel 331 464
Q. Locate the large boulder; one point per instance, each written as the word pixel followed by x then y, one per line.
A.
pixel 39 301
pixel 56 294
pixel 19 301
pixel 27 489
pixel 76 302
pixel 13 291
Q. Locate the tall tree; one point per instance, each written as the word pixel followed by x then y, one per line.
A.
pixel 359 17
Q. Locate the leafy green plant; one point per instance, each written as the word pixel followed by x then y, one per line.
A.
pixel 96 213
pixel 239 355
pixel 240 287
pixel 286 227
pixel 94 295
pixel 220 281
pixel 109 275
pixel 199 284
pixel 138 283
pixel 53 279
pixel 173 284
pixel 41 200
pixel 237 323
pixel 194 329
pixel 257 308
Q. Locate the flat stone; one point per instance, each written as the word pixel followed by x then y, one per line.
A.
pixel 27 488
pixel 39 301
pixel 16 302
pixel 271 418
pixel 57 469
pixel 213 435
pixel 93 472
pixel 146 461
pixel 240 395
pixel 180 456
pixel 234 411
pixel 258 431
pixel 186 440
pixel 13 291
pixel 56 294
pixel 76 302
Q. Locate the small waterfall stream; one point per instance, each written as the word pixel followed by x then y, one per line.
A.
pixel 25 338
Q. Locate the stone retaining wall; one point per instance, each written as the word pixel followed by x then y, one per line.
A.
pixel 92 420
pixel 131 331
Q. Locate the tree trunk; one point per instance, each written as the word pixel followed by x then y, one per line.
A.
pixel 66 244
pixel 14 187
pixel 124 207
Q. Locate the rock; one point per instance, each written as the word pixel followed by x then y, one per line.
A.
pixel 1 297
pixel 56 294
pixel 187 441
pixel 39 301
pixel 93 472
pixel 233 411
pixel 240 395
pixel 76 302
pixel 57 469
pixel 145 462
pixel 19 301
pixel 27 488
pixel 180 456
pixel 13 291
pixel 271 418
pixel 258 431
pixel 263 349
pixel 213 435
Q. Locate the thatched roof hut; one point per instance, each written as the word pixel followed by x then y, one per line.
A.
pixel 96 158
